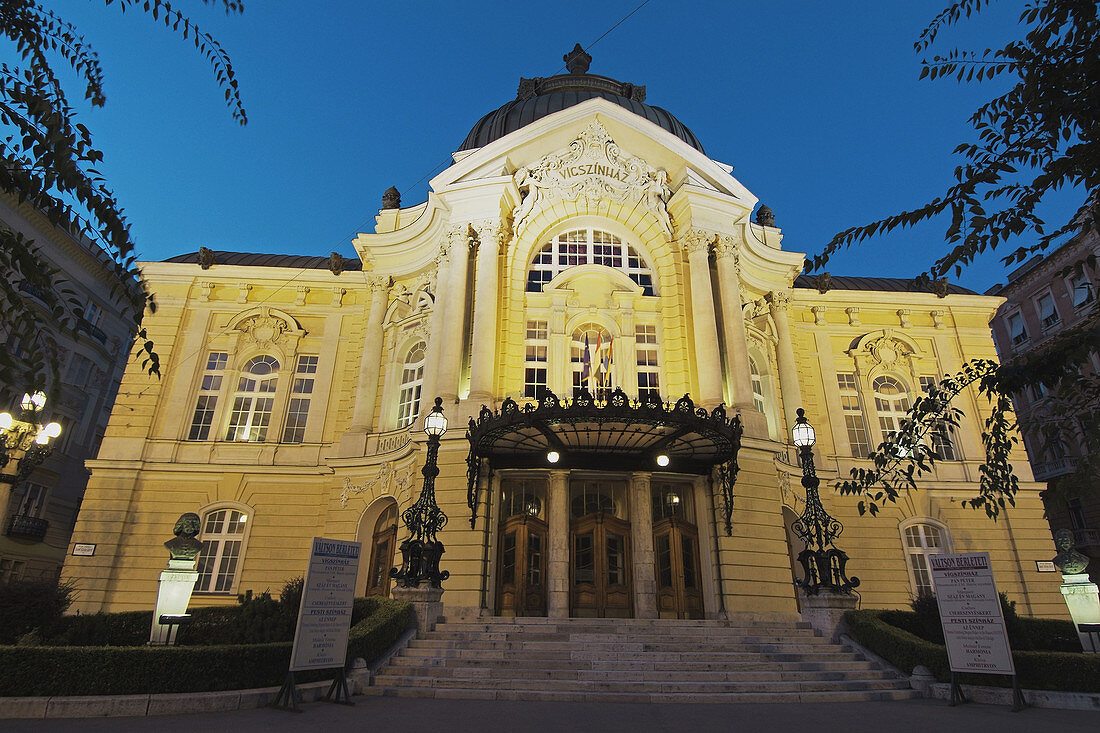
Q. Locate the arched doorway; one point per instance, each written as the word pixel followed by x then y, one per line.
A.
pixel 676 551
pixel 599 541
pixel 521 563
pixel 378 550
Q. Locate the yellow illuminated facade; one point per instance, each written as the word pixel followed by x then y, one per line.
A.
pixel 294 390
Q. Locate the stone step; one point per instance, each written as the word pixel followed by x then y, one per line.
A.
pixel 583 628
pixel 735 620
pixel 504 674
pixel 591 638
pixel 610 665
pixel 618 648
pixel 827 654
pixel 644 697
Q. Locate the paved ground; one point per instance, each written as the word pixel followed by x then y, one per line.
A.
pixel 441 716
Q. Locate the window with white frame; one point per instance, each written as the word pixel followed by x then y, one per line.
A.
pixel 535 360
pixel 11 569
pixel 590 341
pixel 209 388
pixel 297 410
pixel 923 540
pixel 588 247
pixel 223 534
pixel 757 385
pixel 92 314
pixel 33 500
pixel 253 401
pixel 942 434
pixel 892 405
pixel 1048 313
pixel 1016 330
pixel 412 380
pixel 854 421
pixel 649 380
pixel 1082 290
pixel 80 371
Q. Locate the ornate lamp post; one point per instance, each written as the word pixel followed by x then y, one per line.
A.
pixel 822 562
pixel 24 444
pixel 421 551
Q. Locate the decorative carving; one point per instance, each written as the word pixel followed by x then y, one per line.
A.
pixel 338 297
pixel 488 232
pixel 205 289
pixel 823 282
pixel 391 198
pixel 903 317
pixel 886 349
pixel 458 237
pixel 697 240
pixel 1068 559
pixel 336 263
pixel 206 258
pixel 184 546
pixel 754 309
pixel 390 480
pixel 726 246
pixel 242 292
pixel 300 297
pixel 819 314
pixel 778 301
pixel 853 315
pixel 378 282
pixel 937 319
pixel 264 329
pixel 595 169
pixel 528 87
pixel 765 217
pixel 578 60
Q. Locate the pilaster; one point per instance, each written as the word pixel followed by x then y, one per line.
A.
pixel 708 366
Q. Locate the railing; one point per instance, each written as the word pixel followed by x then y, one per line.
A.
pixel 28 528
pixel 94 331
pixel 1086 537
pixel 1058 467
pixel 31 290
pixel 392 441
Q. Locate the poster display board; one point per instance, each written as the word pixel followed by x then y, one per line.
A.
pixel 324 617
pixel 970 611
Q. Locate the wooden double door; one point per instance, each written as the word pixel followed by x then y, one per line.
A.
pixel 676 550
pixel 599 567
pixel 521 581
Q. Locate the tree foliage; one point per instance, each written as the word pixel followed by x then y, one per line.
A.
pixel 1038 138
pixel 50 164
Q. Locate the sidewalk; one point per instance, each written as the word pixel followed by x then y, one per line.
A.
pixel 394 715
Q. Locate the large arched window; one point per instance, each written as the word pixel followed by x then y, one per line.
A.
pixel 892 404
pixel 922 539
pixel 590 359
pixel 383 542
pixel 588 247
pixel 412 379
pixel 223 535
pixel 253 400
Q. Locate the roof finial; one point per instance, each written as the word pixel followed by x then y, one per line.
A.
pixel 577 60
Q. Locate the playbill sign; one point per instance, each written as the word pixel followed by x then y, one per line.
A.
pixel 970 611
pixel 324 618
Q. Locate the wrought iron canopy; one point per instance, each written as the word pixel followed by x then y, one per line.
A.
pixel 613 434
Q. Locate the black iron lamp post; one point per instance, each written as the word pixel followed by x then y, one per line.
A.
pixel 822 562
pixel 24 440
pixel 421 551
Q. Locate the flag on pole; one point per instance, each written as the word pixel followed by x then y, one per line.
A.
pixel 599 359
pixel 606 363
pixel 586 363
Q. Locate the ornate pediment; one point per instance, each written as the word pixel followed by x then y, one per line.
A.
pixel 592 168
pixel 265 327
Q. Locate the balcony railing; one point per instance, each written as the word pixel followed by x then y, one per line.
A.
pixel 26 527
pixel 1086 537
pixel 1050 469
pixel 94 331
pixel 26 287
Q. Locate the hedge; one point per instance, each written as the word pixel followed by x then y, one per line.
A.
pixel 1036 670
pixel 121 670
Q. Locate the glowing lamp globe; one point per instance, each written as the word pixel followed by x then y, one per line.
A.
pixel 5 420
pixel 553 456
pixel 803 432
pixel 662 460
pixel 436 422
pixel 52 430
pixel 33 402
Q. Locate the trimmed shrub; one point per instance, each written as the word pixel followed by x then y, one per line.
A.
pixel 32 605
pixel 128 628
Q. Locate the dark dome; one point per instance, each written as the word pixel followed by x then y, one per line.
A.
pixel 540 97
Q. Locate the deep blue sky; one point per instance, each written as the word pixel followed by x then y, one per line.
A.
pixel 817 106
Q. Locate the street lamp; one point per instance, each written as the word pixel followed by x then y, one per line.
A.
pixel 822 562
pixel 24 439
pixel 421 551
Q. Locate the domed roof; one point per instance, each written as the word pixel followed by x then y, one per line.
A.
pixel 544 96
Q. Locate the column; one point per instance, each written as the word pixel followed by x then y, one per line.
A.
pixel 484 346
pixel 708 366
pixel 370 364
pixel 453 324
pixel 784 353
pixel 733 322
pixel 641 530
pixel 557 571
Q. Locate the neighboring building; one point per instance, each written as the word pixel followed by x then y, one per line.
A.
pixel 576 218
pixel 1043 300
pixel 37 518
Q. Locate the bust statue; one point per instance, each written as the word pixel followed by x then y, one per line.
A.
pixel 1068 559
pixel 184 546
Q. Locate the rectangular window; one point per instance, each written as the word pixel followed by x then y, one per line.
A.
pixel 534 371
pixel 1016 330
pixel 1082 290
pixel 294 429
pixel 943 444
pixel 250 419
pixel 80 371
pixel 92 314
pixel 1048 314
pixel 645 338
pixel 207 400
pixel 853 415
pixel 33 501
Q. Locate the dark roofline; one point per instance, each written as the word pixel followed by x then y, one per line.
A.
pixel 256 259
pixel 882 284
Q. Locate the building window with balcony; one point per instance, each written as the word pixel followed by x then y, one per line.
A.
pixel 253 401
pixel 207 400
pixel 854 421
pixel 294 427
pixel 223 536
pixel 535 361
pixel 1048 313
pixel 1016 330
pixel 412 380
pixel 922 539
pixel 33 500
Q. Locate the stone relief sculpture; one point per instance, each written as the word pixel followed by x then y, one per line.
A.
pixel 185 546
pixel 594 168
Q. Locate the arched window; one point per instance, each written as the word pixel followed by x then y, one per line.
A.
pixel 892 404
pixel 382 545
pixel 253 400
pixel 589 359
pixel 412 379
pixel 588 247
pixel 223 534
pixel 922 540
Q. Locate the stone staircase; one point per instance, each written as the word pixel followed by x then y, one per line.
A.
pixel 633 660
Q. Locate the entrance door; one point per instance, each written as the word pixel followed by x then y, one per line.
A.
pixel 599 574
pixel 676 547
pixel 521 586
pixel 383 543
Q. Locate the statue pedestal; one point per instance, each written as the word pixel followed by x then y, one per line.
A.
pixel 427 604
pixel 1083 601
pixel 173 596
pixel 824 611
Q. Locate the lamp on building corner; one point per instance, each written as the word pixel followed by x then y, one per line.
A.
pixel 24 444
pixel 421 551
pixel 822 562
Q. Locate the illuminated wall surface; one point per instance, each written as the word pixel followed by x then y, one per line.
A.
pixel 578 217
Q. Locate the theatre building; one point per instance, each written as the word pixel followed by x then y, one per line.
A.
pixel 630 336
